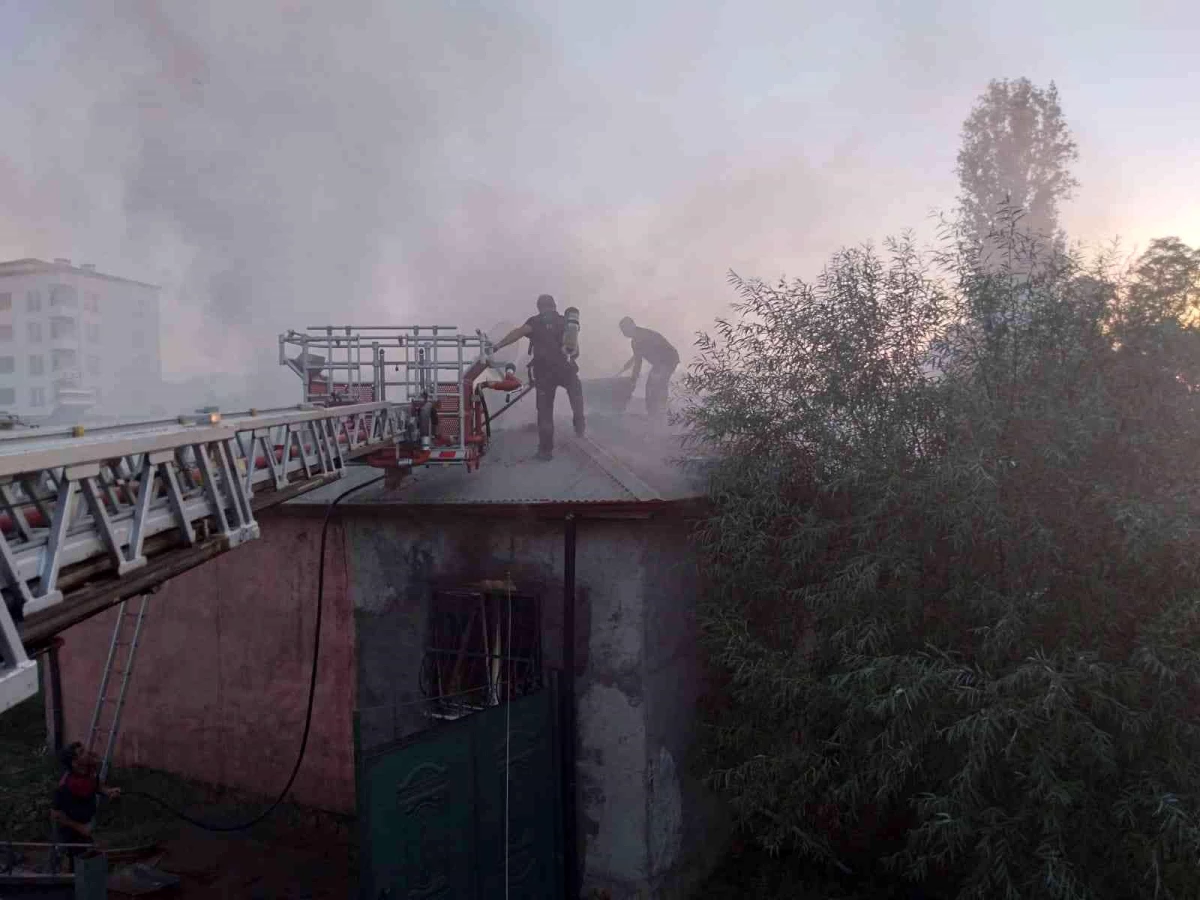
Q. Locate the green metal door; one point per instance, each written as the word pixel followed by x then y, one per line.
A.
pixel 432 809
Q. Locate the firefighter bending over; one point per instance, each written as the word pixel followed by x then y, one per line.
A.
pixel 663 358
pixel 554 366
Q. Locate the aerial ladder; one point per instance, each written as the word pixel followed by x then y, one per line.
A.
pixel 91 517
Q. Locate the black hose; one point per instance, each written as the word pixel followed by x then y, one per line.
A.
pixel 525 390
pixel 312 692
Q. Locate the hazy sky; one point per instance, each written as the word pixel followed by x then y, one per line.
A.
pixel 275 166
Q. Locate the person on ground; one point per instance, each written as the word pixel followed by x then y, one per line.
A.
pixel 75 799
pixel 552 369
pixel 663 358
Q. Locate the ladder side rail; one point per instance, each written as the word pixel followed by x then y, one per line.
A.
pixel 166 493
pixel 102 695
pixel 18 673
pixel 208 477
pixel 234 492
pixel 103 525
pixel 145 493
pixel 30 561
pixel 128 673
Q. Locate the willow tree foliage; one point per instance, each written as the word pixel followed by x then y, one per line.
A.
pixel 953 569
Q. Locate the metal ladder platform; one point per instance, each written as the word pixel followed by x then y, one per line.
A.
pixel 97 515
pixel 106 717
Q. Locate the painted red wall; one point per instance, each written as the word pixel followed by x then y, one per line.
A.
pixel 220 681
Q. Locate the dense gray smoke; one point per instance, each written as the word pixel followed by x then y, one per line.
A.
pixel 267 153
pixel 280 164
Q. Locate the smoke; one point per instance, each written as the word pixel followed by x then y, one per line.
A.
pixel 276 164
pixel 279 165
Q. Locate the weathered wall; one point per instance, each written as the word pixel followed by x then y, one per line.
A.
pixel 642 819
pixel 220 681
pixel 686 825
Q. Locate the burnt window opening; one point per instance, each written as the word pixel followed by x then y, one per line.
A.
pixel 469 662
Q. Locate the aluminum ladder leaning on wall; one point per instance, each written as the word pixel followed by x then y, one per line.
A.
pixel 126 632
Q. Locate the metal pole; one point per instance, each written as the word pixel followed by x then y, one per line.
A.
pixel 462 398
pixel 305 377
pixel 329 367
pixel 567 698
pixel 377 369
pixel 57 726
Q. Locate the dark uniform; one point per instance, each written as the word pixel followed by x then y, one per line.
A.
pixel 663 358
pixel 75 797
pixel 552 370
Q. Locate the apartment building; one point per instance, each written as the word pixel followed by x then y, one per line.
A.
pixel 75 343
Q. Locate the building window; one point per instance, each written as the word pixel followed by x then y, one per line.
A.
pixel 35 332
pixel 93 333
pixel 468 664
pixel 37 365
pixel 5 333
pixel 139 340
pixel 5 301
pixel 33 301
pixel 93 365
pixel 62 327
pixel 62 360
pixel 7 364
pixel 37 396
pixel 92 302
pixel 8 396
pixel 63 296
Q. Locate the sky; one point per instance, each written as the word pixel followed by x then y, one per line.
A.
pixel 278 164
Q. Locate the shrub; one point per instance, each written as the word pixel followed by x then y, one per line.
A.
pixel 953 568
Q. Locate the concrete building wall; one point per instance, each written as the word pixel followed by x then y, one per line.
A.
pixel 220 681
pixel 645 824
pixel 64 328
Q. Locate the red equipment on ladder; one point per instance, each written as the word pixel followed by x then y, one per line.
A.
pixel 436 372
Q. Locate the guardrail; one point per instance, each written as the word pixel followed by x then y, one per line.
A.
pixel 74 498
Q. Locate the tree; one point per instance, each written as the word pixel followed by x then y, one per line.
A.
pixel 1166 282
pixel 953 608
pixel 1016 151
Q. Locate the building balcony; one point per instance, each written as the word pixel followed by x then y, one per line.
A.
pixel 74 397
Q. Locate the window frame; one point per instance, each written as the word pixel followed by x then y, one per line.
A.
pixel 455 675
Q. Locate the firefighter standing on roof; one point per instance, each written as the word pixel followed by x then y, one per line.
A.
pixel 663 358
pixel 554 366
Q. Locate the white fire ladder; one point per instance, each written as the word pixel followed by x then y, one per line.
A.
pixel 150 490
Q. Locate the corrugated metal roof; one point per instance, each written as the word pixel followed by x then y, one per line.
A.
pixel 623 460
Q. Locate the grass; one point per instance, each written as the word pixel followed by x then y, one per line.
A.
pixel 29 773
